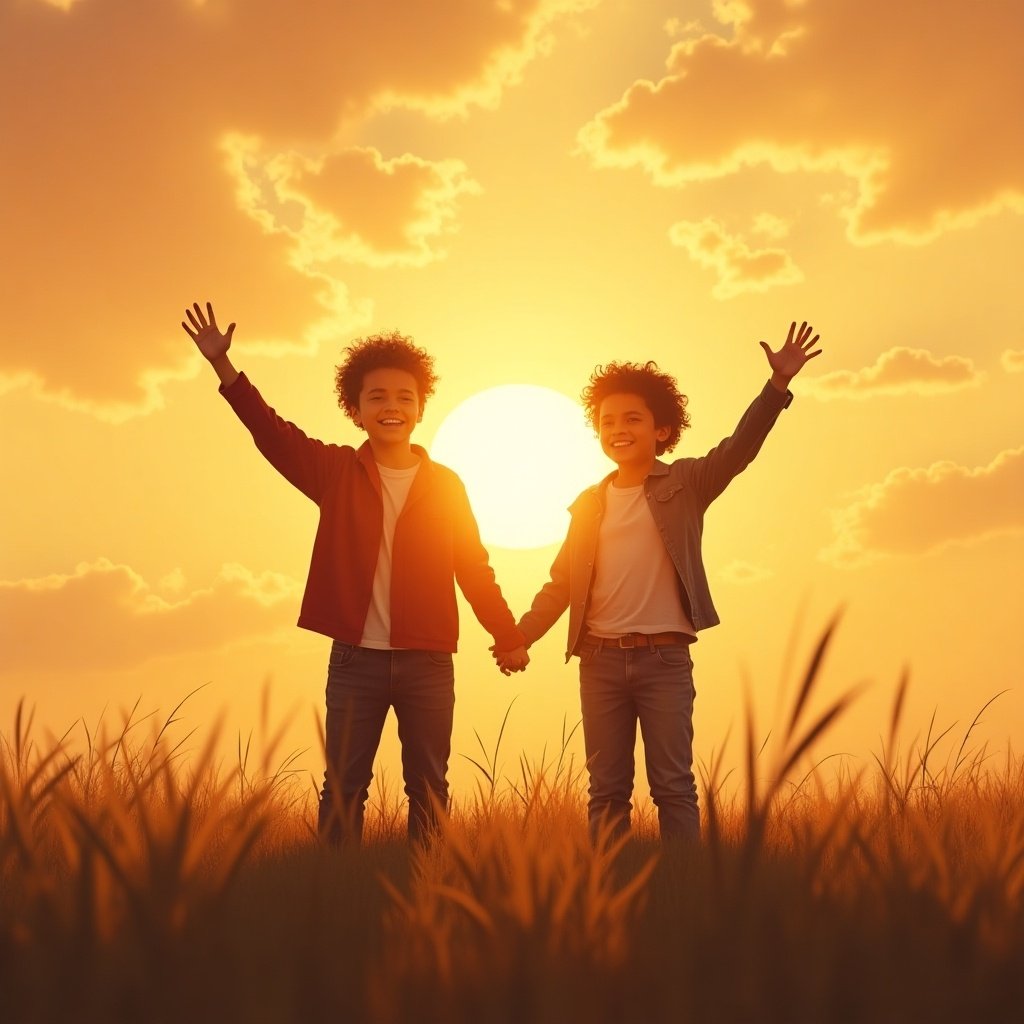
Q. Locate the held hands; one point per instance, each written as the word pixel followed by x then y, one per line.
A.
pixel 515 660
pixel 205 333
pixel 791 357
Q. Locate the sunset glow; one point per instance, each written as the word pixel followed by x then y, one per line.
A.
pixel 528 188
pixel 524 453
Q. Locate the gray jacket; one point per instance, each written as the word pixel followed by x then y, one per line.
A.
pixel 678 493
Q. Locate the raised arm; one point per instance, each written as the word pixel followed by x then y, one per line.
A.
pixel 712 473
pixel 300 459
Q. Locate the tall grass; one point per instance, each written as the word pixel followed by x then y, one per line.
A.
pixel 136 885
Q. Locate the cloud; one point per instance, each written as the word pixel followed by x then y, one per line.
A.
pixel 919 511
pixel 740 572
pixel 1012 360
pixel 738 267
pixel 169 151
pixel 770 225
pixel 106 616
pixel 898 371
pixel 676 27
pixel 353 206
pixel 892 96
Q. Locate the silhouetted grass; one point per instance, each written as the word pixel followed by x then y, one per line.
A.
pixel 134 886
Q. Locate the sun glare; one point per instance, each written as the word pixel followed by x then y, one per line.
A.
pixel 524 452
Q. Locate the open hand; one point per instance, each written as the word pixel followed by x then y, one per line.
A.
pixel 790 359
pixel 205 333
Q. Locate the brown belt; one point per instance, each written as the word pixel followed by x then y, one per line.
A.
pixel 629 640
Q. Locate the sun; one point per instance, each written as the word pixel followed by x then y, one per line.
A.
pixel 524 452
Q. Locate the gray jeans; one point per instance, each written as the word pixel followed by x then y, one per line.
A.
pixel 361 685
pixel 652 686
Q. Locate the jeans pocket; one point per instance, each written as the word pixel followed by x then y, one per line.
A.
pixel 440 658
pixel 676 655
pixel 341 655
pixel 587 653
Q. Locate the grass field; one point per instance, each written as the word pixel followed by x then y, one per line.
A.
pixel 137 886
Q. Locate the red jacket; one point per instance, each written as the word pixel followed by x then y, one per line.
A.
pixel 436 538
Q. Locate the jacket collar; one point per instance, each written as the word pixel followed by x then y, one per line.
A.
pixel 364 453
pixel 595 493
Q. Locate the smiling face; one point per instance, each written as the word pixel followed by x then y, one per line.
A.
pixel 628 433
pixel 389 407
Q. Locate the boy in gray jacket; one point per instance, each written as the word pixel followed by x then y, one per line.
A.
pixel 632 575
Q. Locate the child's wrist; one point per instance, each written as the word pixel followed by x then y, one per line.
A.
pixel 224 369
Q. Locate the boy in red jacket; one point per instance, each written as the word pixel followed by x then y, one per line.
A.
pixel 396 533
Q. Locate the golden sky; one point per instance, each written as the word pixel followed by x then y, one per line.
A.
pixel 529 188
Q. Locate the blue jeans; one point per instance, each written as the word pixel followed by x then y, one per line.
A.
pixel 361 685
pixel 652 686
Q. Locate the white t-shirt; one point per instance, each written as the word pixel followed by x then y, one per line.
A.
pixel 394 486
pixel 635 587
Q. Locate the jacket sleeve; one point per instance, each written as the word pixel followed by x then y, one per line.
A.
pixel 712 473
pixel 301 460
pixel 475 577
pixel 551 600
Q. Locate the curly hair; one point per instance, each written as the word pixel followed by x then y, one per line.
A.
pixel 392 351
pixel 658 390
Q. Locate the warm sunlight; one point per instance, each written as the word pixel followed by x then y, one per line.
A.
pixel 524 453
pixel 499 200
